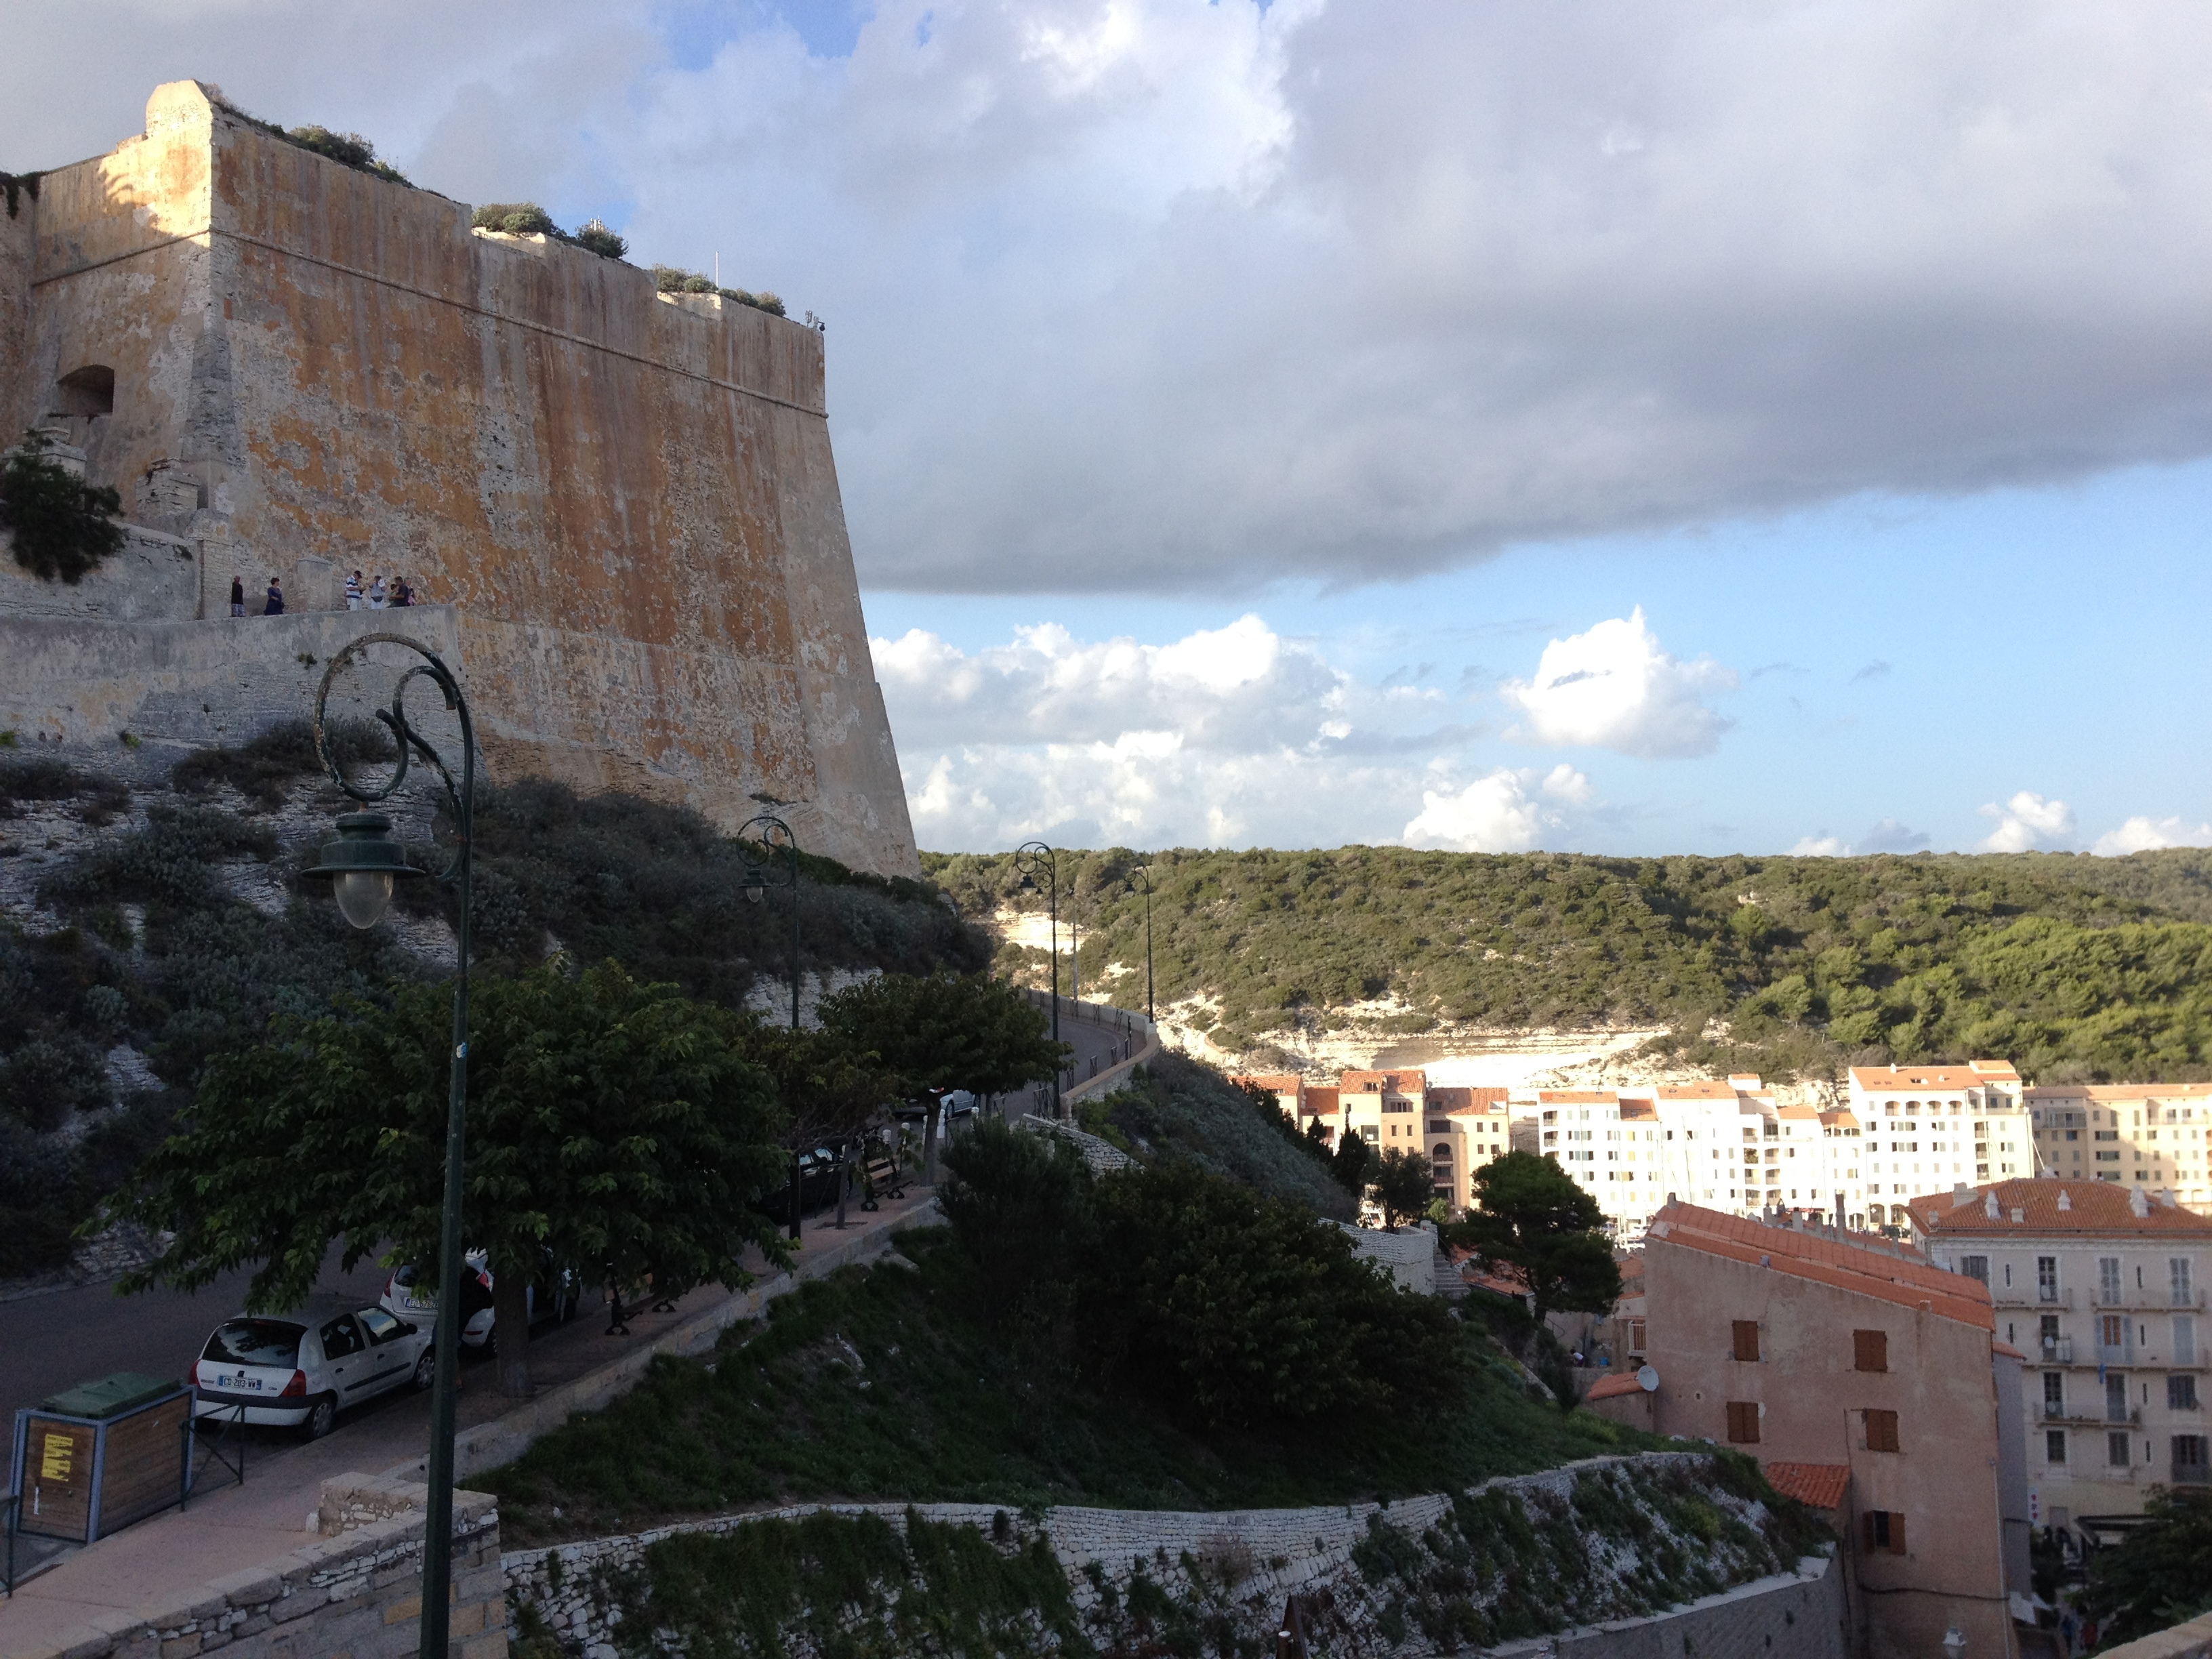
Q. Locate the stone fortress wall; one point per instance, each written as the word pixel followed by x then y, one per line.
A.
pixel 287 366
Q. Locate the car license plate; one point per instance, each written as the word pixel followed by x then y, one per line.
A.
pixel 244 1384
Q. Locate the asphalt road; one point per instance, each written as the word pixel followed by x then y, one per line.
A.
pixel 51 1340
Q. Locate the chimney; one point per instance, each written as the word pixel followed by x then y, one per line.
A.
pixel 2065 1200
pixel 2139 1202
pixel 1991 1207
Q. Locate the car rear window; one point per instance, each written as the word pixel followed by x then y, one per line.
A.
pixel 256 1342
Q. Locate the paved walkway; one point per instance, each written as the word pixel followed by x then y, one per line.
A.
pixel 237 1527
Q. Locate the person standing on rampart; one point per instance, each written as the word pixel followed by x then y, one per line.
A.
pixel 237 597
pixel 376 596
pixel 275 607
pixel 353 591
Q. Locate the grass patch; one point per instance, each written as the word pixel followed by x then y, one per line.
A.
pixel 886 1383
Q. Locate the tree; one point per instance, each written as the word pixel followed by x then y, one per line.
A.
pixel 935 1032
pixel 612 1126
pixel 62 526
pixel 829 1092
pixel 1403 1183
pixel 2161 1575
pixel 1020 1205
pixel 1350 1164
pixel 1530 1216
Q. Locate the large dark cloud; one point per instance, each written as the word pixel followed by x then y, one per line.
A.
pixel 1180 298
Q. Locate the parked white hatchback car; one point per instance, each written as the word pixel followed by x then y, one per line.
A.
pixel 410 1295
pixel 301 1368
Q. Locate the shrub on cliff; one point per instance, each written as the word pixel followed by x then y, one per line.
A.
pixel 348 149
pixel 61 525
pixel 675 279
pixel 528 219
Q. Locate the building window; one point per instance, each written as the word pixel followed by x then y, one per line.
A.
pixel 2181 1392
pixel 2046 1279
pixel 1881 1431
pixel 2177 1268
pixel 2054 1392
pixel 2054 1445
pixel 1885 1531
pixel 2191 1464
pixel 2108 1279
pixel 2116 1449
pixel 2184 1341
pixel 1974 1266
pixel 1870 1350
pixel 1636 1336
pixel 1743 1422
pixel 1745 1332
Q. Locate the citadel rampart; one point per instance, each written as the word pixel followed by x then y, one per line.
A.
pixel 287 366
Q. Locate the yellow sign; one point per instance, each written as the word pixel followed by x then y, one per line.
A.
pixel 60 1449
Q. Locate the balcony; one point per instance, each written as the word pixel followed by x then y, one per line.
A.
pixel 2118 1354
pixel 2192 1474
pixel 2058 1351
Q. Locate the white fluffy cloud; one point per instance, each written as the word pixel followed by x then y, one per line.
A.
pixel 1890 835
pixel 2028 821
pixel 1154 296
pixel 1614 688
pixel 1507 812
pixel 1229 736
pixel 2145 834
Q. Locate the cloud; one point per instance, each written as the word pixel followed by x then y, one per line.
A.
pixel 2027 821
pixel 2144 835
pixel 1614 688
pixel 1887 836
pixel 1498 813
pixel 1139 295
pixel 1229 736
pixel 1891 835
pixel 1874 671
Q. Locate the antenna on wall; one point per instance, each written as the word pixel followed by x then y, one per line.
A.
pixel 718 267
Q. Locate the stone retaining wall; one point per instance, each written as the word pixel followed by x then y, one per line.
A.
pixel 355 1591
pixel 1264 1554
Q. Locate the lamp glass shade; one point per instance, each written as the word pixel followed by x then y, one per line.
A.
pixel 363 896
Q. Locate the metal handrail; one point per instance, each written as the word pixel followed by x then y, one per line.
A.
pixel 14 1501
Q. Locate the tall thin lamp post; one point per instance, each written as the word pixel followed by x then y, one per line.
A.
pixel 1031 858
pixel 362 865
pixel 1141 879
pixel 774 834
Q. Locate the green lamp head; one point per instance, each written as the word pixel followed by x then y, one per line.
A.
pixel 362 863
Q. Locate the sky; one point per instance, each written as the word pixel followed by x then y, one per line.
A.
pixel 1703 428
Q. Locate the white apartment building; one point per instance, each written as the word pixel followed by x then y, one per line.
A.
pixel 2102 1286
pixel 1931 1128
pixel 2149 1135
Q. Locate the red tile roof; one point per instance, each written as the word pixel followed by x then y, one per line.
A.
pixel 2007 1350
pixel 1820 1485
pixel 1609 1387
pixel 1319 1101
pixel 2119 1091
pixel 1455 1099
pixel 1698 1091
pixel 1865 1269
pixel 1409 1083
pixel 1576 1097
pixel 2092 1206
pixel 1880 1077
pixel 1280 1083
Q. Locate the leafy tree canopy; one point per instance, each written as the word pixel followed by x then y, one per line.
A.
pixel 2161 1575
pixel 932 1032
pixel 1529 1216
pixel 62 526
pixel 617 1126
pixel 2074 968
pixel 1403 1185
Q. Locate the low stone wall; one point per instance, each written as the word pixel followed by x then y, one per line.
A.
pixel 356 1591
pixel 2190 1641
pixel 82 680
pixel 1244 1563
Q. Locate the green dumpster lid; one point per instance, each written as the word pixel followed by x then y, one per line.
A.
pixel 110 1396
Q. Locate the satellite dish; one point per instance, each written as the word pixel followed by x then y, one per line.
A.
pixel 1647 1379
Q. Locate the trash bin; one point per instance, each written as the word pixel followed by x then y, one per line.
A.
pixel 92 1459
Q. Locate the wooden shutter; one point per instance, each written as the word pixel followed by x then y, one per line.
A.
pixel 1896 1533
pixel 1747 1338
pixel 1884 1530
pixel 1881 1431
pixel 1743 1422
pixel 1870 1350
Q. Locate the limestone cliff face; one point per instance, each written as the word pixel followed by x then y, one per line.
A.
pixel 630 502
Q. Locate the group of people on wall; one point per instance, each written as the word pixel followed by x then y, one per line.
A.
pixel 374 597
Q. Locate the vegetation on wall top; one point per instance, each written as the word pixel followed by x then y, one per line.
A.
pixel 674 279
pixel 348 149
pixel 528 219
pixel 2074 968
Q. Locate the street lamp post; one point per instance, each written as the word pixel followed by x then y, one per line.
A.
pixel 1141 879
pixel 759 877
pixel 361 864
pixel 1030 858
pixel 758 880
